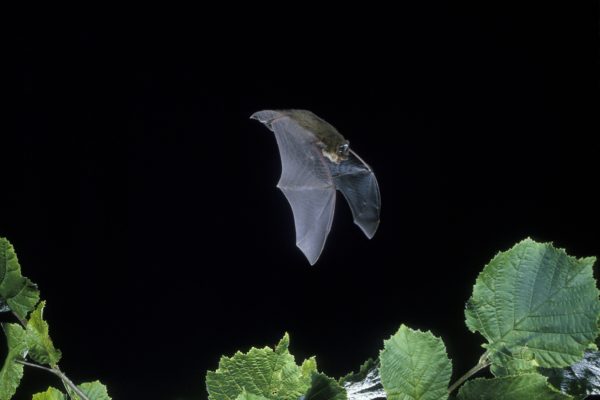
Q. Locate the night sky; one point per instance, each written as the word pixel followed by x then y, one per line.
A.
pixel 141 198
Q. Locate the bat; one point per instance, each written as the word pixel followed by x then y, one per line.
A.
pixel 315 161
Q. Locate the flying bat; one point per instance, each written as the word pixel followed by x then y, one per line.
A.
pixel 315 161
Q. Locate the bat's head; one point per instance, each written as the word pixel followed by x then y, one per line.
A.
pixel 338 153
pixel 344 149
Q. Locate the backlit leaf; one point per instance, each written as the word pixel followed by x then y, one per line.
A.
pixel 50 394
pixel 271 373
pixel 94 390
pixel 12 372
pixel 41 348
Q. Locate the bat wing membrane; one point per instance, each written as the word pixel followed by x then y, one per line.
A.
pixel 359 186
pixel 306 182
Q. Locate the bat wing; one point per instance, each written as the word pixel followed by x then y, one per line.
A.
pixel 357 182
pixel 306 181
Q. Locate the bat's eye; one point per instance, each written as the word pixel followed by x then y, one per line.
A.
pixel 343 150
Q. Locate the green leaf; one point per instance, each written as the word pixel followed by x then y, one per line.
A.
pixel 325 388
pixel 516 387
pixel 12 372
pixel 94 390
pixel 17 293
pixel 265 372
pixel 536 306
pixel 364 384
pixel 581 379
pixel 41 348
pixel 249 396
pixel 50 394
pixel 415 366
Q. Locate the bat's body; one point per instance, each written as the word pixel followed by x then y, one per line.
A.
pixel 316 160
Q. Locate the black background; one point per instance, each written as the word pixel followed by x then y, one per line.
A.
pixel 142 200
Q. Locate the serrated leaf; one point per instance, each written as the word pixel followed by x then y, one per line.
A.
pixel 516 387
pixel 580 379
pixel 308 367
pixel 50 394
pixel 41 348
pixel 271 373
pixel 364 384
pixel 325 388
pixel 16 292
pixel 415 366
pixel 535 306
pixel 12 372
pixel 249 396
pixel 94 390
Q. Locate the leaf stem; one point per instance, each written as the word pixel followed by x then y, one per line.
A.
pixel 483 363
pixel 56 371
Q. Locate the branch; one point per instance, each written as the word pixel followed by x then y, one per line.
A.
pixel 483 363
pixel 58 373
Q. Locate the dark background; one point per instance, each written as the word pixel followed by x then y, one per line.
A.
pixel 142 200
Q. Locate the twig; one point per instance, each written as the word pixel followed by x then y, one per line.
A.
pixel 483 363
pixel 56 371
